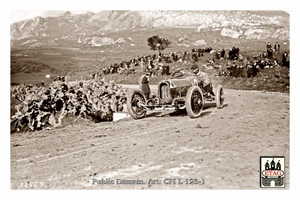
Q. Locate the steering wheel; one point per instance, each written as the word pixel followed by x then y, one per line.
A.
pixel 178 73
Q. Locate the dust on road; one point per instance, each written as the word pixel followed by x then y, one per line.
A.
pixel 219 150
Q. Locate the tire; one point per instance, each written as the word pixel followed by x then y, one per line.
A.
pixel 194 102
pixel 133 109
pixel 220 97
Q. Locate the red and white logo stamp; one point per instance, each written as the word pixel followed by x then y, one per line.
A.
pixel 272 172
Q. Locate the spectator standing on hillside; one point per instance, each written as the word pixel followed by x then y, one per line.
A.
pixel 234 69
pixel 270 53
pixel 277 47
pixel 269 46
pixel 184 58
pixel 218 54
pixel 144 84
pixel 223 54
pixel 285 60
pixel 226 56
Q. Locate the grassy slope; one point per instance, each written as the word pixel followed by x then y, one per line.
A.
pixel 266 81
pixel 87 60
pixel 82 61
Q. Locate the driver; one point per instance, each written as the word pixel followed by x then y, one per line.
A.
pixel 207 85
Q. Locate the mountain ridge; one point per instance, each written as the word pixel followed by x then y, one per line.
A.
pixel 234 24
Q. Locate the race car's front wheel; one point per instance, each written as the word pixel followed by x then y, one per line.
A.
pixel 136 101
pixel 220 97
pixel 194 101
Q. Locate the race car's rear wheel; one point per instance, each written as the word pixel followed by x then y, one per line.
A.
pixel 220 97
pixel 136 101
pixel 194 101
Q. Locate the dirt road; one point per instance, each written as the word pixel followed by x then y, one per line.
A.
pixel 219 150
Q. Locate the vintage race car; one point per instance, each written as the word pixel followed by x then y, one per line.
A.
pixel 179 92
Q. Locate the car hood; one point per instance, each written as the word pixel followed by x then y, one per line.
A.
pixel 183 82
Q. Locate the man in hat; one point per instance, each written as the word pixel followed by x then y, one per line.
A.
pixel 277 47
pixel 269 46
pixel 206 83
pixel 285 59
pixel 144 84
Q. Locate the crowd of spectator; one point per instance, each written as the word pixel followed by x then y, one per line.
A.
pixel 241 67
pixel 247 69
pixel 237 65
pixel 156 64
pixel 228 54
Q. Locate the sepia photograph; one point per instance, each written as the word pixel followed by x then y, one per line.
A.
pixel 150 99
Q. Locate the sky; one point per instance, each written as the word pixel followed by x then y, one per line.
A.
pixel 28 9
pixel 18 15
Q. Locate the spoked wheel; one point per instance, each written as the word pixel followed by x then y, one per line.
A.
pixel 136 101
pixel 194 101
pixel 220 97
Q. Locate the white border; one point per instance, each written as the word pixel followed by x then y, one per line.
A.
pixel 290 6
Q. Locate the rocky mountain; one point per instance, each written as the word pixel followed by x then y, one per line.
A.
pixel 92 28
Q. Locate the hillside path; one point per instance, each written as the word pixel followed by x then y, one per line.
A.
pixel 219 150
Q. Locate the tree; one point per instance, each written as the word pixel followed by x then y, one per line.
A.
pixel 158 43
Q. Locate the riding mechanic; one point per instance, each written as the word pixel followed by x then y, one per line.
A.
pixel 205 80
